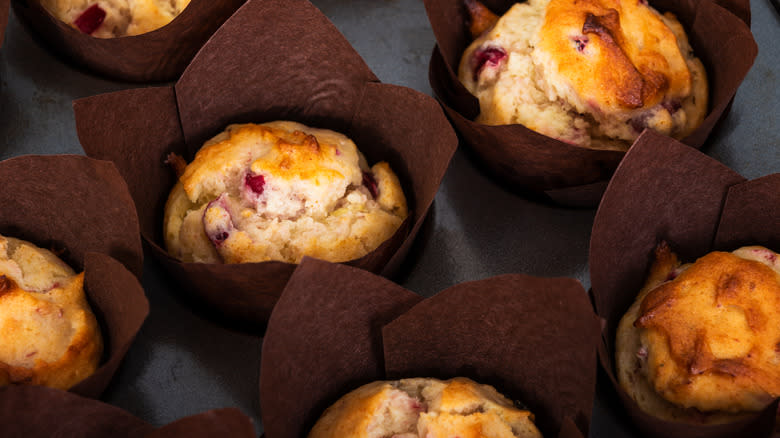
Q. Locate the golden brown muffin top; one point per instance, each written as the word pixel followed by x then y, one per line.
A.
pixel 617 55
pixel 425 407
pixel 713 332
pixel 48 334
pixel 280 191
pixel 284 153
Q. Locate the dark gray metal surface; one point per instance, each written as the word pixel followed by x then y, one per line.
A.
pixel 182 364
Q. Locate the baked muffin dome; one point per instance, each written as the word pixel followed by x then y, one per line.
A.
pixel 280 191
pixel 48 334
pixel 700 344
pixel 115 18
pixel 591 73
pixel 424 407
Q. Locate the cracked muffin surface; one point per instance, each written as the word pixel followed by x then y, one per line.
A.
pixel 427 408
pixel 281 191
pixel 48 333
pixel 700 343
pixel 115 18
pixel 592 73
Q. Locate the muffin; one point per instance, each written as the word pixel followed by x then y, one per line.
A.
pixel 593 74
pixel 280 191
pixel 700 343
pixel 48 334
pixel 115 18
pixel 424 407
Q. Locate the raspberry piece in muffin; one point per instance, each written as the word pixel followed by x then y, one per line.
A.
pixel 90 19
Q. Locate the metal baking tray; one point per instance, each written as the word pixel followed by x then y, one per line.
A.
pixel 182 364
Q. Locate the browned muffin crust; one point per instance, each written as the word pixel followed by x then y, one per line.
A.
pixel 700 343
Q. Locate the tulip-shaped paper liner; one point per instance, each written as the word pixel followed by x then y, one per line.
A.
pixel 565 173
pixel 38 412
pixel 159 55
pixel 70 203
pixel 81 209
pixel 272 60
pixel 337 327
pixel 664 190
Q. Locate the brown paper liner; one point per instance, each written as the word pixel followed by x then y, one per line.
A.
pixel 664 190
pixel 316 78
pixel 4 6
pixel 747 204
pixel 740 8
pixel 35 411
pixel 228 422
pixel 119 304
pixel 564 173
pixel 324 335
pixel 160 55
pixel 336 327
pixel 38 412
pixel 70 203
pixel 81 209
